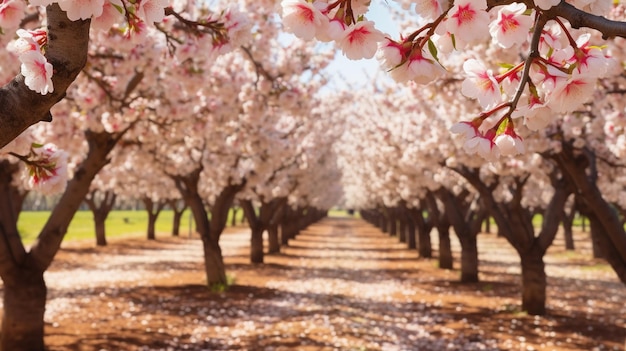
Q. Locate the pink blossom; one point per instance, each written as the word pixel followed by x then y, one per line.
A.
pixel 40 2
pixel 81 9
pixel 390 54
pixel 334 30
pixel 568 95
pixel 11 13
pixel 546 4
pixel 480 84
pixel 536 114
pixel 110 15
pixel 361 40
pixel 301 18
pixel 511 25
pixel 424 68
pixel 468 20
pixel 37 72
pixel 429 9
pixel 589 60
pixel 25 42
pixel 48 171
pixel 152 11
pixel 483 146
pixel 467 129
pixel 509 143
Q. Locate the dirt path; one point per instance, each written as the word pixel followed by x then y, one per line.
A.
pixel 341 285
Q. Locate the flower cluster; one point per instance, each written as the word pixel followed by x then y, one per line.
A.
pixel 339 21
pixel 47 169
pixel 35 68
pixel 558 75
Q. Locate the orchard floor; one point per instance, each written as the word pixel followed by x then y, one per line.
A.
pixel 341 285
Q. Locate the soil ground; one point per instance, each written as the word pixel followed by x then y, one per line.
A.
pixel 341 285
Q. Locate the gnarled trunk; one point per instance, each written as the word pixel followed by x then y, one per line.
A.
pixel 24 306
pixel 154 209
pixel 99 222
pixel 100 206
pixel 177 212
pixel 469 260
pixel 534 283
pixel 273 239
pixel 256 245
pixel 210 232
pixel 445 248
pixel 214 268
pixel 269 215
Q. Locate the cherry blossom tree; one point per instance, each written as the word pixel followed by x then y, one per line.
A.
pixel 62 51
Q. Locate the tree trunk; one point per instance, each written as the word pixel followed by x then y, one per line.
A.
pixel 214 268
pixel 595 228
pixel 178 215
pixel 383 223
pixel 569 213
pixel 402 230
pixel 99 223
pixel 534 283
pixel 100 203
pixel 469 260
pixel 445 249
pixel 613 236
pixel 154 209
pixel 273 240
pixel 568 235
pixel 488 225
pixel 425 245
pixel 393 222
pixel 24 306
pixel 411 240
pixel 151 223
pixel 233 219
pixel 210 232
pixel 269 215
pixel 256 245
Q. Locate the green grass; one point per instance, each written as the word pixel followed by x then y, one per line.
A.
pixel 119 223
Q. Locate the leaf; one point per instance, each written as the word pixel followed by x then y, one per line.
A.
pixel 502 127
pixel 36 145
pixel 453 41
pixel 120 9
pixel 432 49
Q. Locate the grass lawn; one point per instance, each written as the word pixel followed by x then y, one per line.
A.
pixel 119 223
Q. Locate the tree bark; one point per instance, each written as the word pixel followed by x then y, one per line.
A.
pixel 424 244
pixel 613 236
pixel 445 248
pixel 273 239
pixel 393 221
pixel 100 206
pixel 154 209
pixel 409 227
pixel 469 260
pixel 24 306
pixel 177 215
pixel 534 283
pixel 402 237
pixel 233 220
pixel 467 223
pixel 210 231
pixel 269 214
pixel 515 224
pixel 67 52
pixel 22 273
